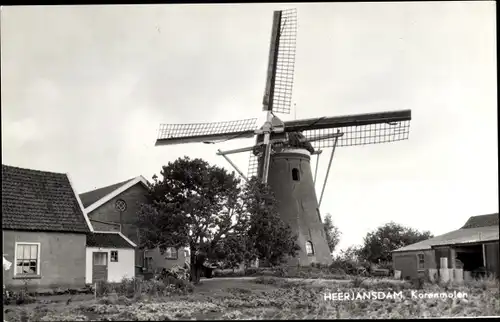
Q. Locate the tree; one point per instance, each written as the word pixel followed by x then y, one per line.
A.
pixel 205 207
pixel 271 238
pixel 379 244
pixel 332 233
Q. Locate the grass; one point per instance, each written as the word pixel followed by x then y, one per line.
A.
pixel 290 272
pixel 269 298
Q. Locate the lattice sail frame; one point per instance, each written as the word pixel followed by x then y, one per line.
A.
pixel 253 165
pixel 198 132
pixel 278 96
pixel 360 135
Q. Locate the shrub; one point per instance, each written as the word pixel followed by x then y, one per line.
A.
pixel 131 287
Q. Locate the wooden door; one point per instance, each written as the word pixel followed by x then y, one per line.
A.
pixel 99 267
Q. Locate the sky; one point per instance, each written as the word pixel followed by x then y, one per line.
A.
pixel 84 89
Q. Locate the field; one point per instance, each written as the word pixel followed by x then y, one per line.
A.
pixel 268 298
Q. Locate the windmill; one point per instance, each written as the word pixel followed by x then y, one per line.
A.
pixel 283 149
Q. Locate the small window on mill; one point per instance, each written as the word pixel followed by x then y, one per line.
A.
pixel 309 248
pixel 295 174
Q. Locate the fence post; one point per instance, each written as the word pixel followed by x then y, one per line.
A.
pixel 95 291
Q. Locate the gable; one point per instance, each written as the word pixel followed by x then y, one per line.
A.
pixel 119 188
pixel 93 196
pixel 40 201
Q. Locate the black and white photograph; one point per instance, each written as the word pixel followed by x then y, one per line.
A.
pixel 249 161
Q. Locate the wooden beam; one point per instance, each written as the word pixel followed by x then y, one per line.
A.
pixel 348 120
pixel 211 138
pixel 273 58
pixel 484 255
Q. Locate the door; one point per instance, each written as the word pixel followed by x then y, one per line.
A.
pixel 99 267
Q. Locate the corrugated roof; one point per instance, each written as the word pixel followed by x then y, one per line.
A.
pixel 107 240
pixel 40 201
pixel 90 197
pixel 460 236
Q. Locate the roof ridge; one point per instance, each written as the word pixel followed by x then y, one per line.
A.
pixel 121 183
pixel 32 170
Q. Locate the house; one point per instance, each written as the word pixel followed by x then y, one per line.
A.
pixel 115 208
pixel 44 229
pixel 475 246
pixel 110 256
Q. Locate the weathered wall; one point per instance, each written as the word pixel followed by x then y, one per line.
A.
pixel 492 258
pixel 159 260
pixel 298 205
pixel 407 262
pixel 123 268
pixel 62 259
pixel 100 226
pixel 134 197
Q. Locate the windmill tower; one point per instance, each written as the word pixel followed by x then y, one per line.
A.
pixel 282 152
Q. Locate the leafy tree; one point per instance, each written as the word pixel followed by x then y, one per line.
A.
pixel 271 238
pixel 378 244
pixel 207 208
pixel 351 253
pixel 332 233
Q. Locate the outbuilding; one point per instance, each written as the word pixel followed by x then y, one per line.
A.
pixel 110 257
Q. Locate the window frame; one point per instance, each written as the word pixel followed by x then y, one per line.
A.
pixel 22 275
pixel 312 248
pixel 111 256
pixel 420 262
pixel 172 257
pixel 148 263
pixel 295 171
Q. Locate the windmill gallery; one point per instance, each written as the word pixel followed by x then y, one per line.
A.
pixel 283 149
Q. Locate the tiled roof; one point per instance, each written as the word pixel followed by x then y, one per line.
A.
pixel 90 197
pixel 460 236
pixel 40 201
pixel 482 221
pixel 107 240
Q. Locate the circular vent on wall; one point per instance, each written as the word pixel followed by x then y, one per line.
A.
pixel 120 205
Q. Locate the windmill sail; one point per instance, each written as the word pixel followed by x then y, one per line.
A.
pixel 279 84
pixel 170 134
pixel 253 165
pixel 360 129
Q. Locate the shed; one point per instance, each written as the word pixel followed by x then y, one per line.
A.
pixel 475 246
pixel 110 257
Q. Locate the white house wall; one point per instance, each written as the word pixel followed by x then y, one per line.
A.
pixel 125 267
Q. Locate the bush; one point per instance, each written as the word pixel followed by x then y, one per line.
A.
pixel 131 287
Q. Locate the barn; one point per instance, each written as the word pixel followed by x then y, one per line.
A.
pixel 115 207
pixel 110 257
pixel 474 248
pixel 44 230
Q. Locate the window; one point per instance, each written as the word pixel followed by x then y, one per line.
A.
pixel 27 259
pixel 295 174
pixel 171 253
pixel 114 256
pixel 120 205
pixel 421 261
pixel 309 248
pixel 100 259
pixel 148 263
